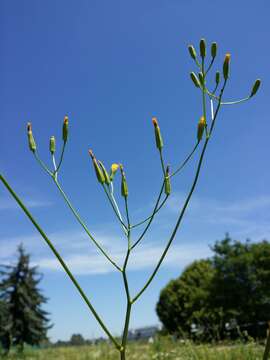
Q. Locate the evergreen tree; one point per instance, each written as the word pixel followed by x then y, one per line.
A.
pixel 28 322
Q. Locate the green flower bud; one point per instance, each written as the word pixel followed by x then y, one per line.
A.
pixel 114 169
pixel 255 87
pixel 124 187
pixel 192 52
pixel 226 66
pixel 31 140
pixel 201 127
pixel 167 182
pixel 217 77
pixel 214 49
pixel 106 175
pixel 201 78
pixel 65 129
pixel 52 145
pixel 159 141
pixel 195 79
pixel 98 171
pixel 203 48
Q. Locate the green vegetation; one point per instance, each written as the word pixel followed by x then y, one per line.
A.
pixel 213 299
pixel 161 349
pixel 22 319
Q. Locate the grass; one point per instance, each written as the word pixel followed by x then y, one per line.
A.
pixel 162 349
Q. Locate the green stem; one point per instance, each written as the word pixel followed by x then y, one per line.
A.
pixel 209 67
pixel 77 216
pixel 115 209
pixel 129 302
pixel 114 201
pixel 185 205
pixel 204 96
pixel 151 218
pixel 186 160
pixel 58 256
pixel 211 95
pixel 61 158
pixel 162 162
pixel 156 207
pixel 41 163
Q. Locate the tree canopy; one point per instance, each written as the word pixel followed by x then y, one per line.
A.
pixel 214 296
pixel 23 319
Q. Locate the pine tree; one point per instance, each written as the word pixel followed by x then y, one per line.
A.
pixel 28 322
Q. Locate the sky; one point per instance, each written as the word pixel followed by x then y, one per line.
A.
pixel 110 66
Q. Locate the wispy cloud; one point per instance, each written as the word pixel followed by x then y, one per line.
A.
pixel 248 218
pixel 145 257
pixel 10 204
pixel 84 258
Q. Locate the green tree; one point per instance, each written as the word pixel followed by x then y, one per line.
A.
pixel 184 302
pixel 241 283
pixel 77 340
pixel 231 289
pixel 28 322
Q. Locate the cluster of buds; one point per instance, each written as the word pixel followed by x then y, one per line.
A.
pixel 52 142
pixel 102 175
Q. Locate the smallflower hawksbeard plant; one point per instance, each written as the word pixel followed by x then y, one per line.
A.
pixel 210 97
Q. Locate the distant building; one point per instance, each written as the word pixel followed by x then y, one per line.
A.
pixel 145 333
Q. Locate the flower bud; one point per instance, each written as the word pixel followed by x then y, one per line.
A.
pixel 31 140
pixel 195 79
pixel 167 182
pixel 98 171
pixel 106 175
pixel 201 127
pixel 226 66
pixel 214 49
pixel 201 78
pixel 159 141
pixel 203 48
pixel 114 169
pixel 255 87
pixel 52 145
pixel 124 187
pixel 65 129
pixel 192 52
pixel 217 77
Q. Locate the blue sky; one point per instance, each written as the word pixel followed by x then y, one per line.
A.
pixel 111 66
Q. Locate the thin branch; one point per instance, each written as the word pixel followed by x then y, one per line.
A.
pixel 77 216
pixel 151 217
pixel 186 160
pixel 117 213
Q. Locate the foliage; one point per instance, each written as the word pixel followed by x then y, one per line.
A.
pixel 161 349
pixel 240 285
pixel 185 300
pixel 28 322
pixel 4 326
pixel 227 292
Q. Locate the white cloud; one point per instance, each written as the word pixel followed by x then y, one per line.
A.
pixel 146 257
pixel 10 204
pixel 245 219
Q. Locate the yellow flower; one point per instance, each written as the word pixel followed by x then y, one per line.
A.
pixel 114 169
